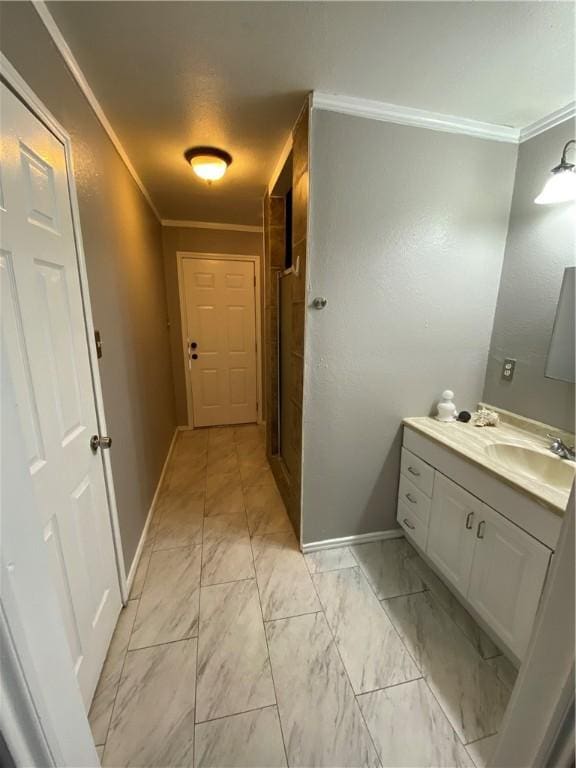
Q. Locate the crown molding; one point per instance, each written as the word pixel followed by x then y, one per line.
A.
pixel 420 118
pixel 74 67
pixel 549 121
pixel 211 225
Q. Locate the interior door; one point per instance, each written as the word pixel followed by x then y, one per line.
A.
pixel 451 539
pixel 220 307
pixel 507 578
pixel 44 336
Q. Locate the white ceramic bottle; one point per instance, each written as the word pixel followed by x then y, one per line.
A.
pixel 447 411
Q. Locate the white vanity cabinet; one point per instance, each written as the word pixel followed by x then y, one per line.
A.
pixel 495 567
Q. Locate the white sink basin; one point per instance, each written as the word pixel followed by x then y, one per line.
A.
pixel 533 463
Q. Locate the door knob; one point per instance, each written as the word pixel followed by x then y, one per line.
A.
pixel 193 345
pixel 99 442
pixel 194 356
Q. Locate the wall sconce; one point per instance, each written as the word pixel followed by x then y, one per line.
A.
pixel 208 163
pixel 561 185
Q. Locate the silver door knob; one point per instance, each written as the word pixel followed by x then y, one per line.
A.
pixel 100 442
pixel 319 302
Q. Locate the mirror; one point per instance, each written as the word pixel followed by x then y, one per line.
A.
pixel 561 358
pixel 534 316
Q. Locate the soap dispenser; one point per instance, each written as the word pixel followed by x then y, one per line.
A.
pixel 447 411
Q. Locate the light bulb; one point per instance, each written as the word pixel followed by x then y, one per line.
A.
pixel 208 168
pixel 560 188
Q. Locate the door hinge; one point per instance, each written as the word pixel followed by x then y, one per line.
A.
pixel 98 341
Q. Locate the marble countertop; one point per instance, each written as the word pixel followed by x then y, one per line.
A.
pixel 470 442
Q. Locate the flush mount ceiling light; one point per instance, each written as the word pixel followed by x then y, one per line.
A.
pixel 208 163
pixel 561 186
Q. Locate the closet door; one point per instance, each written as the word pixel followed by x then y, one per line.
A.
pixel 46 348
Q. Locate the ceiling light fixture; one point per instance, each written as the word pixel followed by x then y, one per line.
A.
pixel 561 186
pixel 208 163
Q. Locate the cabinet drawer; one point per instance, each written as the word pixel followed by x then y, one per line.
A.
pixel 414 498
pixel 418 471
pixel 414 527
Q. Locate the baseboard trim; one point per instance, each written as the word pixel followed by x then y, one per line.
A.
pixel 344 541
pixel 140 547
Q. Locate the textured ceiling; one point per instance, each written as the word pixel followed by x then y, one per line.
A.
pixel 170 75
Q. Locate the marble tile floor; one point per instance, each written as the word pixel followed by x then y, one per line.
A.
pixel 237 650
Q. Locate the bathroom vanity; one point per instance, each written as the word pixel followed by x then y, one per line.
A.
pixel 484 506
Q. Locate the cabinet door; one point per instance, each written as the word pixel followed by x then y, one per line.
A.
pixel 451 539
pixel 508 573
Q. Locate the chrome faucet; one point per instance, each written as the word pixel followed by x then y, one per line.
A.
pixel 560 448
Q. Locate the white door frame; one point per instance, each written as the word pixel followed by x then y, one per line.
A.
pixel 31 100
pixel 181 256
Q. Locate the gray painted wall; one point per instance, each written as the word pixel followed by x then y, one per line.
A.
pixel 541 244
pixel 200 241
pixel 408 229
pixel 123 246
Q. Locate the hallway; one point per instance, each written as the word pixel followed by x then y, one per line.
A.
pixel 236 650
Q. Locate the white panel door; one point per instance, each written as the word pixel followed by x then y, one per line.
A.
pixel 220 330
pixel 451 533
pixel 507 578
pixel 44 335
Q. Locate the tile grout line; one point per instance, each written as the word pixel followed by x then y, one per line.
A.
pixel 335 644
pixel 150 539
pixel 266 639
pixel 410 655
pixel 460 630
pixel 292 616
pixel 230 581
pixel 165 642
pixel 392 685
pixel 120 678
pixel 236 714
pixel 418 667
pixel 197 657
pixel 135 599
pixel 196 676
pixel 447 612
pixel 424 674
pixel 422 671
pixel 380 601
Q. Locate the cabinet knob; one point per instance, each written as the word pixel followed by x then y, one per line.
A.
pixel 414 471
pixel 411 499
pixel 469 520
pixel 480 529
pixel 408 524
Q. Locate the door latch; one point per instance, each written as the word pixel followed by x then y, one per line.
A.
pixel 99 442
